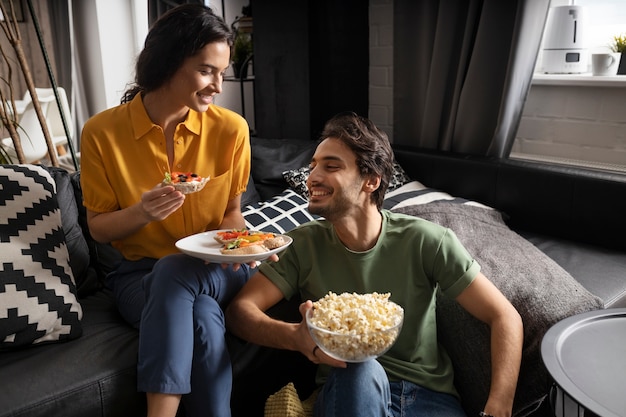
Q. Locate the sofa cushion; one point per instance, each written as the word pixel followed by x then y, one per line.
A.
pixel 541 291
pixel 602 271
pixel 296 178
pixel 94 375
pixel 271 157
pixel 251 195
pixel 279 214
pixel 103 257
pixel 415 192
pixel 38 302
pixel 70 205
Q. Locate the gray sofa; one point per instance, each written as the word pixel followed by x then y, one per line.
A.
pixel 575 216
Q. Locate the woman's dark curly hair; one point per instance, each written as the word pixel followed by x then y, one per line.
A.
pixel 374 155
pixel 177 35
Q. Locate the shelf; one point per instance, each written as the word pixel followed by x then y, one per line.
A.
pixel 230 78
pixel 583 80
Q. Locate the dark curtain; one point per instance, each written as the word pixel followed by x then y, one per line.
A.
pixel 462 72
pixel 61 41
pixel 157 7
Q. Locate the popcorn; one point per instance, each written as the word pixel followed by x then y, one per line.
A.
pixel 364 326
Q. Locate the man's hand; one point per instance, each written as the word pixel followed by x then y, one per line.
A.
pixel 309 348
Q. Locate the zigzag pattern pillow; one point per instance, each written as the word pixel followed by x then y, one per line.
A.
pixel 38 302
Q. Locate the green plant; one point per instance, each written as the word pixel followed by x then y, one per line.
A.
pixel 242 49
pixel 619 43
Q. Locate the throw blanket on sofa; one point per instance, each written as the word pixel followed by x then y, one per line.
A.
pixel 540 289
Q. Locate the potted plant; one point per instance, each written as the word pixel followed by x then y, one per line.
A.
pixel 242 51
pixel 619 45
pixel 242 47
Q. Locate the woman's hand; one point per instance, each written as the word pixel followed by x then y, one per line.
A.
pixel 155 204
pixel 161 201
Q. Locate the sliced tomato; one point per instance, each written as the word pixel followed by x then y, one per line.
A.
pixel 232 234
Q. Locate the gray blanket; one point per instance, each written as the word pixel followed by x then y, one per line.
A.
pixel 542 291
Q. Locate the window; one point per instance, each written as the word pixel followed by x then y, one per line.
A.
pixel 604 19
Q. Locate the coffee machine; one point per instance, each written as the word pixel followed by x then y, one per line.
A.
pixel 564 48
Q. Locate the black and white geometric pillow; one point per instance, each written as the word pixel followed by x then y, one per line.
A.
pixel 296 178
pixel 279 214
pixel 38 302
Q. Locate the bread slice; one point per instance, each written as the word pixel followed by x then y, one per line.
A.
pixel 245 250
pixel 186 183
pixel 189 187
pixel 274 243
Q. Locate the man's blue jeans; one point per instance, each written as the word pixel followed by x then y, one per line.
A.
pixel 363 390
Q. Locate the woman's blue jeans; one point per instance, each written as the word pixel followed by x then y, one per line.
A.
pixel 363 390
pixel 177 303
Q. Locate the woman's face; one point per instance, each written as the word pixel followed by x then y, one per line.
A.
pixel 199 79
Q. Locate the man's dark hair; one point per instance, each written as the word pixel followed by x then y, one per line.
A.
pixel 374 156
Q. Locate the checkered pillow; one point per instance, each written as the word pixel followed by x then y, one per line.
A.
pixel 296 178
pixel 38 301
pixel 279 214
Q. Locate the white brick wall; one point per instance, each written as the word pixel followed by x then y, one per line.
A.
pixel 575 122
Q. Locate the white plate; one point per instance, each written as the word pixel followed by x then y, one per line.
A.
pixel 204 246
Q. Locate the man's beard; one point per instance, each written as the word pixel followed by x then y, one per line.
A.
pixel 329 211
pixel 337 207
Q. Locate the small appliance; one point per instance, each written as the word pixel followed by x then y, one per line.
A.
pixel 564 48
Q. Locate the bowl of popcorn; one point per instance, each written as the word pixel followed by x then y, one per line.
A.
pixel 355 327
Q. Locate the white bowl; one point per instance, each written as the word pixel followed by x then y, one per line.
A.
pixel 354 347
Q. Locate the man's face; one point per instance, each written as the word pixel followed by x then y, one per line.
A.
pixel 335 185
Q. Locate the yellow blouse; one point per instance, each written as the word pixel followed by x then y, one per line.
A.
pixel 123 155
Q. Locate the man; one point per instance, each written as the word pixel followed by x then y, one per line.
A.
pixel 360 248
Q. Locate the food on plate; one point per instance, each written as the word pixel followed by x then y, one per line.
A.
pixel 227 236
pixel 245 242
pixel 185 182
pixel 355 327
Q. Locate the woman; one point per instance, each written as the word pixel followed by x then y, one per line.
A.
pixel 167 122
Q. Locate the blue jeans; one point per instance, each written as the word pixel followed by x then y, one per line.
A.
pixel 363 390
pixel 177 303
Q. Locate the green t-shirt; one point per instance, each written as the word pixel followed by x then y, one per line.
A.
pixel 412 259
